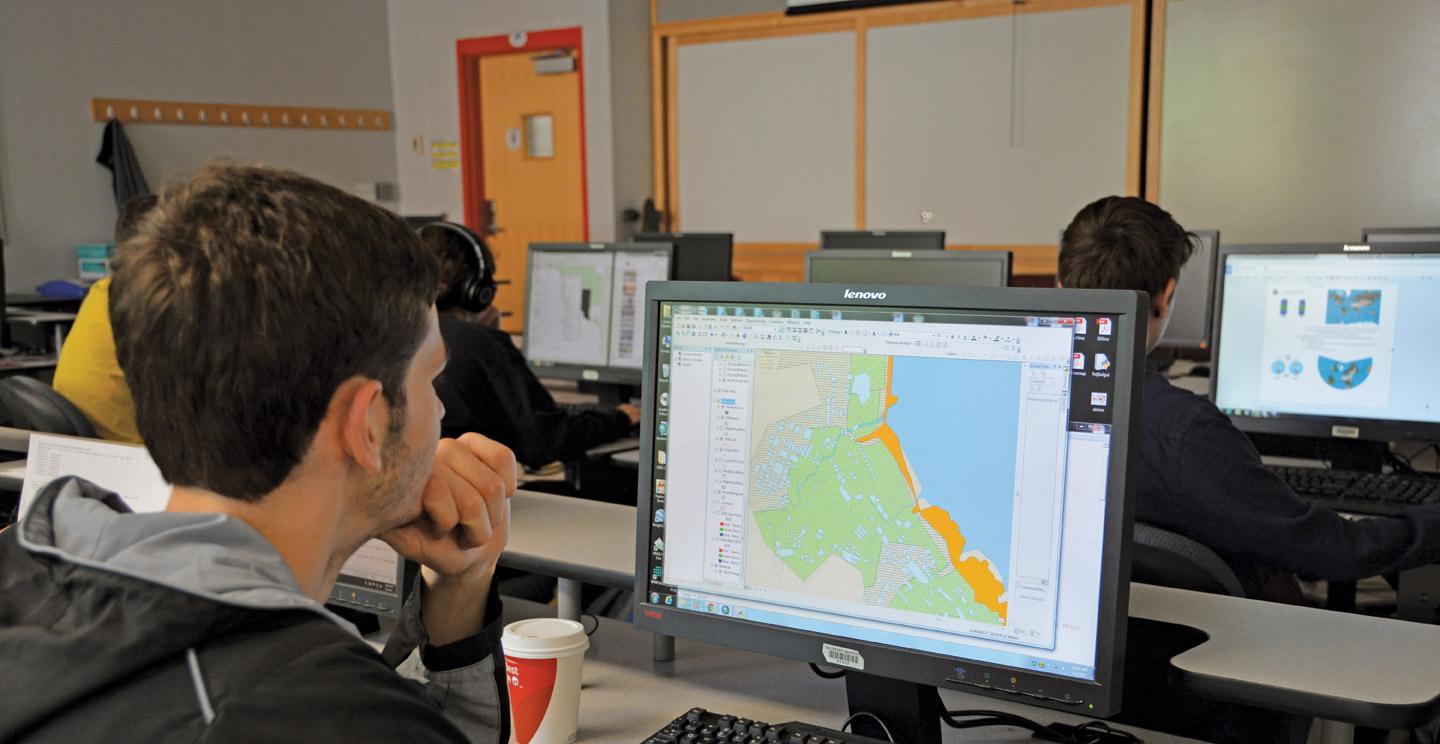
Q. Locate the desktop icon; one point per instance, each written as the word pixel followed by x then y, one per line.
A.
pixel 1100 399
pixel 663 429
pixel 1102 361
pixel 1077 361
pixel 659 545
pixel 665 311
pixel 1080 326
pixel 666 341
pixel 657 573
pixel 669 599
pixel 709 606
pixel 660 485
pixel 1102 326
pixel 665 397
pixel 720 311
pixel 724 609
pixel 654 597
pixel 659 516
pixel 757 312
pixel 665 370
pixel 660 458
pixel 704 310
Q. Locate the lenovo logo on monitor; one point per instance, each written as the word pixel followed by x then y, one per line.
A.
pixel 851 294
pixel 1356 249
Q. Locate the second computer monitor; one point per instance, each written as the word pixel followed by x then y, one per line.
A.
pixel 699 257
pixel 1401 235
pixel 948 268
pixel 891 240
pixel 583 308
pixel 1329 340
pixel 1191 307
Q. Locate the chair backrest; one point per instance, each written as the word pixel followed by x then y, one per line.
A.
pixel 36 406
pixel 1169 559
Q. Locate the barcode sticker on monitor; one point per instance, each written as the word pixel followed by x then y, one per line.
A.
pixel 843 657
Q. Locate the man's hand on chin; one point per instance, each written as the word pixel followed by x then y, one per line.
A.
pixel 462 529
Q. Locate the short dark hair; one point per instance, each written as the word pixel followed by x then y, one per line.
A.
pixel 456 258
pixel 130 215
pixel 247 297
pixel 1124 242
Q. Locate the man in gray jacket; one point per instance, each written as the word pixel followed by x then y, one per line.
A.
pixel 280 340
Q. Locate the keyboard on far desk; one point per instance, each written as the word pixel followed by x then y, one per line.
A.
pixel 1358 492
pixel 700 726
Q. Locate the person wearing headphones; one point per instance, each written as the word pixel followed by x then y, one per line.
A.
pixel 487 387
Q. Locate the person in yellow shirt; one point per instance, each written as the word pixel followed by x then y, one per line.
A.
pixel 88 373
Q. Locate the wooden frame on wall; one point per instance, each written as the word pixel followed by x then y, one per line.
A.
pixel 776 261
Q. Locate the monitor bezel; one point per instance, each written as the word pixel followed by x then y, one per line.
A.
pixel 1336 427
pixel 1129 309
pixel 1433 232
pixel 675 238
pixel 938 236
pixel 1205 343
pixel 585 372
pixel 1006 258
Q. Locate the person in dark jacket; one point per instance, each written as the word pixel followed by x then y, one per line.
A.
pixel 280 341
pixel 1199 475
pixel 487 386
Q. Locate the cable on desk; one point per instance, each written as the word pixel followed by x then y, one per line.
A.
pixel 821 673
pixel 1091 732
pixel 846 725
pixel 590 630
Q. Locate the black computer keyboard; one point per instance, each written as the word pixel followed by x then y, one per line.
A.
pixel 1358 492
pixel 700 726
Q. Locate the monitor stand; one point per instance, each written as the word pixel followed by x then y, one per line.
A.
pixel 610 394
pixel 910 710
pixel 1342 454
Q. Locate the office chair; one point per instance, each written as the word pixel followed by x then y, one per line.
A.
pixel 33 405
pixel 1168 559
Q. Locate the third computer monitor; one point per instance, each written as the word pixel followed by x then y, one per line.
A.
pixel 699 257
pixel 1192 307
pixel 1329 340
pixel 889 240
pixel 912 482
pixel 584 315
pixel 949 268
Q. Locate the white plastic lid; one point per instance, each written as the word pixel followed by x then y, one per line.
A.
pixel 544 637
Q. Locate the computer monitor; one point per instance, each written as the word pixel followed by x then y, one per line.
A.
pixel 1193 304
pixel 371 580
pixel 1329 340
pixel 698 257
pixel 890 240
pixel 583 308
pixel 948 268
pixel 927 487
pixel 1400 235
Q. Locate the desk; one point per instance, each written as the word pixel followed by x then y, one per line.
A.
pixel 628 459
pixel 627 696
pixel 1346 669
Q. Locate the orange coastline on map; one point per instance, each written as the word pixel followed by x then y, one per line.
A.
pixel 975 571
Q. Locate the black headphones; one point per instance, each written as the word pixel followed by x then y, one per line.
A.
pixel 476 290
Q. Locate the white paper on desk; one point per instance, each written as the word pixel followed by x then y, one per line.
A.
pixel 125 469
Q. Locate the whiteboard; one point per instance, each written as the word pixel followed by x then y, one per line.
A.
pixel 766 137
pixel 938 111
pixel 1301 120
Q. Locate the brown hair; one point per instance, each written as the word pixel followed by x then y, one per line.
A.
pixel 128 222
pixel 246 298
pixel 1124 242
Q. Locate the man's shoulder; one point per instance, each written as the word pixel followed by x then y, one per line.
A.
pixel 1173 410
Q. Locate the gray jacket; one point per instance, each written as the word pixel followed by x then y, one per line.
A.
pixel 190 627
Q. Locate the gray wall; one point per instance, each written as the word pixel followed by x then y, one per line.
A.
pixel 689 10
pixel 55 55
pixel 630 107
pixel 1301 120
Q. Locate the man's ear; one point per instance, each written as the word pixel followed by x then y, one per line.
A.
pixel 1160 305
pixel 364 418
